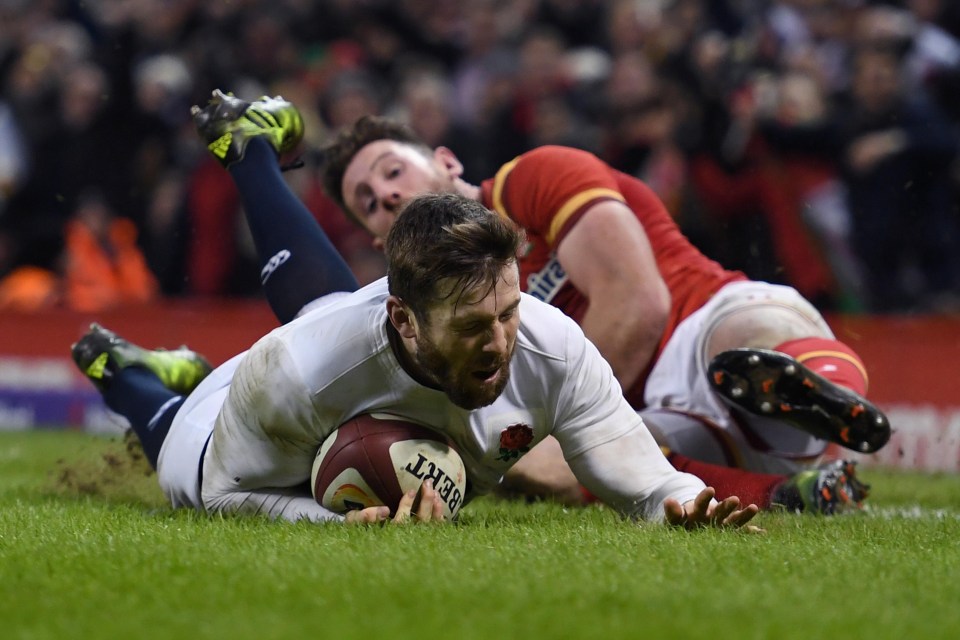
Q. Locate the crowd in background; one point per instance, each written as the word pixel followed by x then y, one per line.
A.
pixel 809 142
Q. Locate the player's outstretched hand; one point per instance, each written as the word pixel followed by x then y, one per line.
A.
pixel 703 511
pixel 423 505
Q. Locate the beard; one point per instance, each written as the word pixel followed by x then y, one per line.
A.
pixel 461 386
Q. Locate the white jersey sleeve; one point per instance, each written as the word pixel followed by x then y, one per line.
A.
pixel 607 444
pixel 263 444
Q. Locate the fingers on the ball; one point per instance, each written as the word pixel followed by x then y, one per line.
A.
pixel 405 505
pixel 428 501
pixel 417 500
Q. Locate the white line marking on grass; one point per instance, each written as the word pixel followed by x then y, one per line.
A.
pixel 911 512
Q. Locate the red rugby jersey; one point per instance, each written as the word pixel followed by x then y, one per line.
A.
pixel 549 189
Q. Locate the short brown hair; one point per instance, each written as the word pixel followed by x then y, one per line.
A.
pixel 447 237
pixel 340 152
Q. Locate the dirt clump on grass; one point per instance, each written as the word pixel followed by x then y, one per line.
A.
pixel 115 469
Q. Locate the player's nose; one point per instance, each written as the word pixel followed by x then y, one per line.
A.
pixel 498 340
pixel 391 200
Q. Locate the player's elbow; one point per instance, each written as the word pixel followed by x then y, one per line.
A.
pixel 653 311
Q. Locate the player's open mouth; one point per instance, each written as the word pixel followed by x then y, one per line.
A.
pixel 487 375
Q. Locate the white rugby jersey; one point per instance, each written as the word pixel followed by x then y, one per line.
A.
pixel 301 381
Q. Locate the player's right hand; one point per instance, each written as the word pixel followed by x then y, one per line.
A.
pixel 705 511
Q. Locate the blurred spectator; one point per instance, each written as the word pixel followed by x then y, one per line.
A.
pixel 152 121
pixel 640 128
pixel 703 78
pixel 762 170
pixel 426 103
pixel 539 90
pixel 482 79
pixel 103 266
pixel 817 32
pixel 350 94
pixel 897 153
pixel 812 223
pixel 930 54
pixel 934 54
pixel 74 152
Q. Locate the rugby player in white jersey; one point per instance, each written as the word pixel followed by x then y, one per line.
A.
pixel 371 169
pixel 446 340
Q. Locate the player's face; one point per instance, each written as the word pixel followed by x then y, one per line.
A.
pixel 386 173
pixel 467 344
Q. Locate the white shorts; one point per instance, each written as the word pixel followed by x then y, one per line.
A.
pixel 178 466
pixel 679 381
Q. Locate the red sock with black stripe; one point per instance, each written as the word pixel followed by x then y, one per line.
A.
pixel 750 487
pixel 831 359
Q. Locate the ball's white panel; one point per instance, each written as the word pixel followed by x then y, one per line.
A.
pixel 417 460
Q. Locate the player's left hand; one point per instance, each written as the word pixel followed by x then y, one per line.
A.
pixel 422 505
pixel 704 511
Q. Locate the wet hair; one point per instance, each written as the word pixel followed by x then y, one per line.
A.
pixel 337 155
pixel 444 245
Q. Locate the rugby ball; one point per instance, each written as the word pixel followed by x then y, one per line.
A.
pixel 373 459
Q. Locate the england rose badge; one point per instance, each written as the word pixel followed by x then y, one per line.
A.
pixel 515 441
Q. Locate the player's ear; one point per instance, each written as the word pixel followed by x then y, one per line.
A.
pixel 401 317
pixel 449 161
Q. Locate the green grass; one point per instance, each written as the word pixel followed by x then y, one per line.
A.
pixel 89 549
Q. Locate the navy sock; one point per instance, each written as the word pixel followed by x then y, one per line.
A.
pixel 297 260
pixel 138 395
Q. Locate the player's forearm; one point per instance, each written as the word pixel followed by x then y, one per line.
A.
pixel 630 474
pixel 627 337
pixel 276 504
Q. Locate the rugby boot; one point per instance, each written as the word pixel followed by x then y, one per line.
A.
pixel 772 384
pixel 101 353
pixel 831 488
pixel 227 124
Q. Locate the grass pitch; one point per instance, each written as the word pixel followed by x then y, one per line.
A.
pixel 89 549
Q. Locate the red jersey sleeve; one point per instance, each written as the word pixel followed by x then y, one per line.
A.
pixel 546 190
